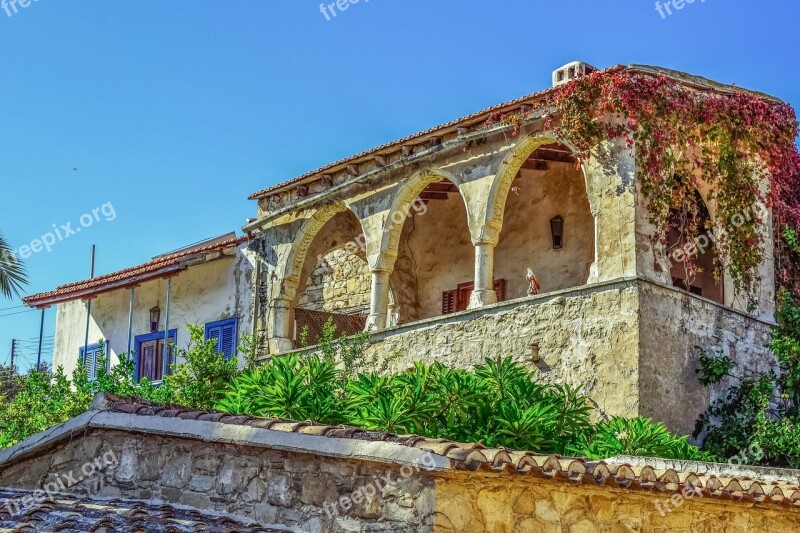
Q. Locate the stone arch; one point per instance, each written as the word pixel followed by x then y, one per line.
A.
pixel 293 267
pixel 507 172
pixel 403 202
pixel 549 184
pixel 703 252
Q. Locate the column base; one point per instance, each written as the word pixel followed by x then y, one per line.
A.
pixel 481 298
pixel 279 345
pixel 376 322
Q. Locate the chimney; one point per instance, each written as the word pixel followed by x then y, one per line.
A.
pixel 570 71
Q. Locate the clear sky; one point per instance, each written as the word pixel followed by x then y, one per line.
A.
pixel 171 113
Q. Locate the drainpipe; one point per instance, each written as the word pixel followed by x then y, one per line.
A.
pixel 88 310
pixel 41 332
pixel 165 358
pixel 128 355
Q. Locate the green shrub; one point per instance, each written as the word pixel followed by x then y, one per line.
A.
pixel 637 436
pixel 759 409
pixel 42 400
pixel 499 403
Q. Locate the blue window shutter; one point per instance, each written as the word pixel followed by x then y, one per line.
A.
pixel 225 333
pixel 227 341
pixel 214 333
pixel 90 359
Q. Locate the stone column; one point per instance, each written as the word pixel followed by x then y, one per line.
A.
pixel 484 293
pixel 484 238
pixel 379 300
pixel 281 340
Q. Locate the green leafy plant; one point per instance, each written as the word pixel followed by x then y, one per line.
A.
pixel 637 436
pixel 499 403
pixel 759 408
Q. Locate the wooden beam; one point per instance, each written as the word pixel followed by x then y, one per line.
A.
pixel 430 195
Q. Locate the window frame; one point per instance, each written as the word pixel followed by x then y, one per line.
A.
pixel 93 348
pixel 233 321
pixel 147 337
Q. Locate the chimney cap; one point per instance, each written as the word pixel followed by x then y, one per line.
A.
pixel 570 71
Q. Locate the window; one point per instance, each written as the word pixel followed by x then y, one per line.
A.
pixel 226 334
pixel 90 359
pixel 458 299
pixel 149 358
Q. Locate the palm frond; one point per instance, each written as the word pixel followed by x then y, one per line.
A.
pixel 12 272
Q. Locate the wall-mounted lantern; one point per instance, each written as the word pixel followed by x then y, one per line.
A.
pixel 557 229
pixel 155 316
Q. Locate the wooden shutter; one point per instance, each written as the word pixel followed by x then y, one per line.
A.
pixel 458 299
pixel 500 289
pixel 227 340
pixel 224 332
pixel 448 302
pixel 90 359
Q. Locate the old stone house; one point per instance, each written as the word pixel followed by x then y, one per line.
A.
pixel 135 466
pixel 432 243
pixel 141 309
pixel 442 227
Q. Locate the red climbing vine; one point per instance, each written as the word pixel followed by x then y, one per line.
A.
pixel 732 140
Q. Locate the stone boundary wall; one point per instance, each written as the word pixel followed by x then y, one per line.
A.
pixel 478 503
pixel 265 485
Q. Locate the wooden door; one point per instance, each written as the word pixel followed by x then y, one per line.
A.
pixel 151 359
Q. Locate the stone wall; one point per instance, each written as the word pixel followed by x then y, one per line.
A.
pixel 480 503
pixel 630 344
pixel 269 486
pixel 586 336
pixel 673 324
pixel 340 283
pixel 298 489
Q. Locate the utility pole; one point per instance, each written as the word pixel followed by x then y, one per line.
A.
pixel 13 353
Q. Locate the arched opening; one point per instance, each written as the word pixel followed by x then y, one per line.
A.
pixel 434 269
pixel 547 225
pixel 699 273
pixel 334 282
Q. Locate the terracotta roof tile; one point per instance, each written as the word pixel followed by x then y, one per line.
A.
pixel 150 270
pixel 480 118
pixel 476 457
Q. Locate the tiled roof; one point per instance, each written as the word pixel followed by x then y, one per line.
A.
pixel 709 480
pixel 482 116
pixel 68 514
pixel 153 269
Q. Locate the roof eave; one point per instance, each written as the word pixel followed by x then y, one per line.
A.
pixel 697 82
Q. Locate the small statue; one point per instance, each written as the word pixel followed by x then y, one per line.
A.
pixel 534 287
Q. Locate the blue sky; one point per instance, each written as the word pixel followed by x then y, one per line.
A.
pixel 174 112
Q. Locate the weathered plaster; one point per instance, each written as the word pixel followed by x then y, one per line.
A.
pixel 203 293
